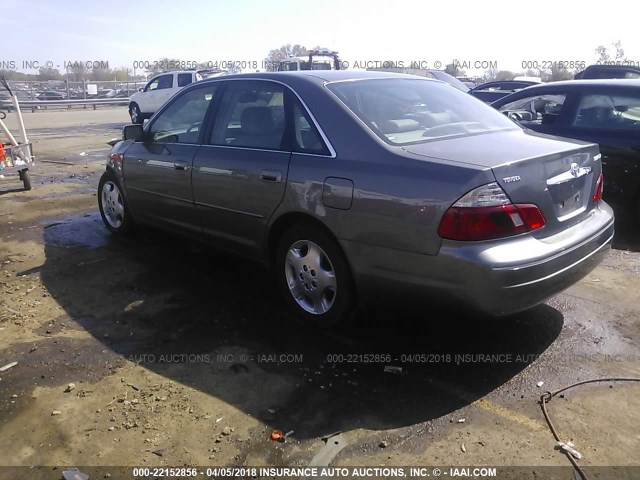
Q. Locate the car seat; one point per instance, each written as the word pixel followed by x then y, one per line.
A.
pixel 259 129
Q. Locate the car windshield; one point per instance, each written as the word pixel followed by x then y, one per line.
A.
pixel 405 111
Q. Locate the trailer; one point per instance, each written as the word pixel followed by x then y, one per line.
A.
pixel 15 156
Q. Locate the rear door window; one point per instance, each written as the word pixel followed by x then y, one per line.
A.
pixel 184 79
pixel 613 112
pixel 251 115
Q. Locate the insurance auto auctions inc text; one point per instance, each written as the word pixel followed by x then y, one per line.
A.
pixel 351 472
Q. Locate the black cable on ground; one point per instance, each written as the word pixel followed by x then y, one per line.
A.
pixel 546 398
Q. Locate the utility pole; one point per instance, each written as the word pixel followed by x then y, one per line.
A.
pixel 67 82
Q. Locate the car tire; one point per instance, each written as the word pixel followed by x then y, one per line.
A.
pixel 136 114
pixel 314 277
pixel 26 179
pixel 113 206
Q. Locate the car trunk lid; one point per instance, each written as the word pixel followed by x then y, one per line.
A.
pixel 557 175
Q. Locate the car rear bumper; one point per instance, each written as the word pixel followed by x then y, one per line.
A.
pixel 494 277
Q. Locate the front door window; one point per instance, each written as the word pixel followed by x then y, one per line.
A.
pixel 181 121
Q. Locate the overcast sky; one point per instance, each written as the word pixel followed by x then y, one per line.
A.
pixel 122 32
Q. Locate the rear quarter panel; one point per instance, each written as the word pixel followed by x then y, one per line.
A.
pixel 397 203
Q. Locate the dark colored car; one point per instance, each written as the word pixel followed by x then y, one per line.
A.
pixel 7 104
pixel 491 91
pixel 106 93
pixel 595 72
pixel 365 185
pixel 23 95
pixel 76 94
pixel 50 95
pixel 606 112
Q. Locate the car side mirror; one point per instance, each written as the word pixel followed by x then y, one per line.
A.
pixel 141 89
pixel 133 132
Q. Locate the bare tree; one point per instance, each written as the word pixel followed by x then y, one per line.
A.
pixel 619 50
pixel 48 74
pixel 505 75
pixel 555 73
pixel 454 69
pixel 605 57
pixel 101 74
pixel 490 75
pixel 77 72
pixel 272 60
pixel 121 74
pixel 603 54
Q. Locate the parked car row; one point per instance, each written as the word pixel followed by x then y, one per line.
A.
pixel 58 95
pixel 358 186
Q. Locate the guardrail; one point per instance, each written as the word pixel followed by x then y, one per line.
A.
pixel 38 104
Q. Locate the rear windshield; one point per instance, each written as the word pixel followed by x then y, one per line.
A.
pixel 405 111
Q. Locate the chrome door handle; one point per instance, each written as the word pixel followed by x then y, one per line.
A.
pixel 271 176
pixel 180 165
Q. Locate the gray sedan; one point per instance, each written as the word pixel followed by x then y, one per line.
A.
pixel 365 186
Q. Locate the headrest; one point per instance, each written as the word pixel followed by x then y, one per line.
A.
pixel 257 121
pixel 400 125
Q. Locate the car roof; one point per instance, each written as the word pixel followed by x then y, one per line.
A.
pixel 321 76
pixel 504 82
pixel 613 66
pixel 579 84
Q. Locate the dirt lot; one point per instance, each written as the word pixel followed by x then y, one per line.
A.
pixel 181 355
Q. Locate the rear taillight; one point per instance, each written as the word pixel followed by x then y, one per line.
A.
pixel 485 213
pixel 597 196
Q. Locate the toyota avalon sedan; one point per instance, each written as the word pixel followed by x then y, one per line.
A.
pixel 361 186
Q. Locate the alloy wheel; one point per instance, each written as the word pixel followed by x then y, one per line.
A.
pixel 310 277
pixel 112 204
